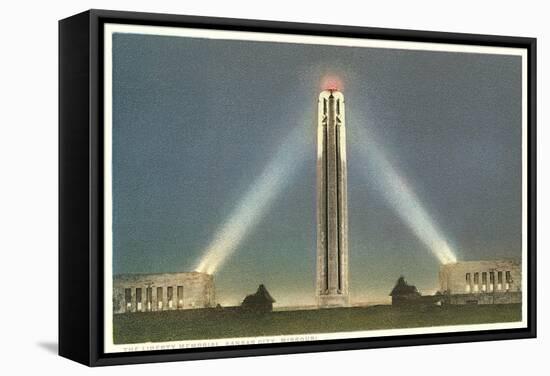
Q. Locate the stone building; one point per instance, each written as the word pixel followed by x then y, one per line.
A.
pixel 261 301
pixel 162 292
pixel 403 293
pixel 332 204
pixel 481 282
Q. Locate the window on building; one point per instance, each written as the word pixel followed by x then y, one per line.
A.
pixel 149 298
pixel 508 279
pixel 468 282
pixel 180 296
pixel 128 299
pixel 499 281
pixel 476 282
pixel 138 299
pixel 170 296
pixel 484 281
pixel 159 298
pixel 491 281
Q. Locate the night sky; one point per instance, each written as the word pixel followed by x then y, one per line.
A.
pixel 195 121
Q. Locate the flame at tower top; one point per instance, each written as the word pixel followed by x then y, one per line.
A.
pixel 331 83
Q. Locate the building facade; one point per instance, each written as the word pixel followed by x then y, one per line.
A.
pixel 481 282
pixel 332 206
pixel 261 301
pixel 404 294
pixel 161 292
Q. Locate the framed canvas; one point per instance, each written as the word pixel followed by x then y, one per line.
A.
pixel 239 187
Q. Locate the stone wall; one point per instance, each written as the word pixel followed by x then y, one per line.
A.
pixel 481 282
pixel 161 292
pixel 485 298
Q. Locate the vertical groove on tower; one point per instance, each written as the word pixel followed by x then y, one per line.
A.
pixel 325 195
pixel 338 200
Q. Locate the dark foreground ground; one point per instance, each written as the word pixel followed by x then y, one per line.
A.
pixel 231 323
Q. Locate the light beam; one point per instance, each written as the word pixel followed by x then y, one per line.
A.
pixel 400 195
pixel 255 203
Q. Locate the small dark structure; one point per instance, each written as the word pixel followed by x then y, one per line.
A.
pixel 404 294
pixel 261 301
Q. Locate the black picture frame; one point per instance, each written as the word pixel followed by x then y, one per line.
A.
pixel 81 179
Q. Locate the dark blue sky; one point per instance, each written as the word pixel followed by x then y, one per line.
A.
pixel 195 121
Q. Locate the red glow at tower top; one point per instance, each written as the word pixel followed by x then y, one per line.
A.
pixel 332 83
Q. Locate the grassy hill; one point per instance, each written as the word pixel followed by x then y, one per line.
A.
pixel 232 323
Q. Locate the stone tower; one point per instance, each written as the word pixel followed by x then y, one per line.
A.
pixel 332 206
